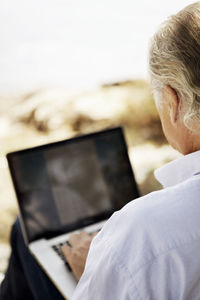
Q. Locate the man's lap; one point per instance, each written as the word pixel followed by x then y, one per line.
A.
pixel 24 278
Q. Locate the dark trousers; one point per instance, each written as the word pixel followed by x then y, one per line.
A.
pixel 24 279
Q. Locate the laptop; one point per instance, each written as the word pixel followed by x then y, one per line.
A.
pixel 69 186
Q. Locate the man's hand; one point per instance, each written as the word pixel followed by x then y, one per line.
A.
pixel 76 255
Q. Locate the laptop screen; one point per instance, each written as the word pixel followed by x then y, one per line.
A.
pixel 67 185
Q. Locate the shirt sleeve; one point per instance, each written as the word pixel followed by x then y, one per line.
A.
pixel 104 276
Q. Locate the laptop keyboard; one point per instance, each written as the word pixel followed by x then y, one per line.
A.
pixel 57 249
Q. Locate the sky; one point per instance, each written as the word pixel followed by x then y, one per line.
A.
pixel 76 44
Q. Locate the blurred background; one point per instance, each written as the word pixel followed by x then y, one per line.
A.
pixel 73 67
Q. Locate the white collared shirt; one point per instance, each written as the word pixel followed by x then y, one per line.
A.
pixel 150 249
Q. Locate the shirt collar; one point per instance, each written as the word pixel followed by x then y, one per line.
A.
pixel 179 170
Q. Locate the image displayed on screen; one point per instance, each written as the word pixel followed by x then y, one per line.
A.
pixel 61 185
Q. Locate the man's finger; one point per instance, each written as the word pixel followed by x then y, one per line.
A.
pixel 73 239
pixel 93 234
pixel 67 251
pixel 84 234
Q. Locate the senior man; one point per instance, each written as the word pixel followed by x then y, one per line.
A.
pixel 154 253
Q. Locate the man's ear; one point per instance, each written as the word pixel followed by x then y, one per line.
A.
pixel 173 101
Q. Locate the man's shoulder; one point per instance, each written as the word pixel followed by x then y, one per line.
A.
pixel 164 206
pixel 155 223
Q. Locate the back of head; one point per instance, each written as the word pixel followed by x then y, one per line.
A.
pixel 174 60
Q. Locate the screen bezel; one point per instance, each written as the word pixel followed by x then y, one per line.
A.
pixel 88 220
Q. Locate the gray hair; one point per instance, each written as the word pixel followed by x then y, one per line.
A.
pixel 174 60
